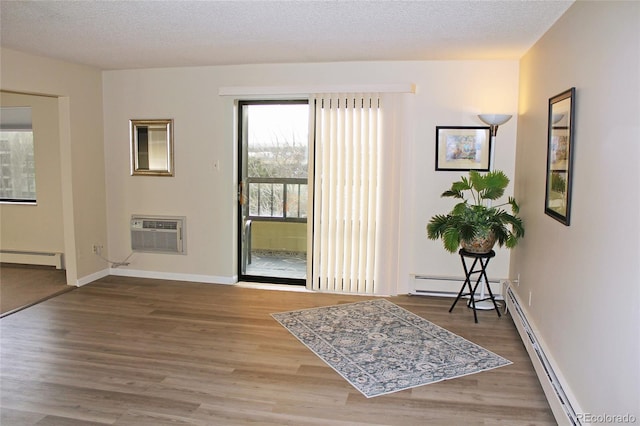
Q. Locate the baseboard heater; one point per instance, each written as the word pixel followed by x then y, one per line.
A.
pixel 556 395
pixel 447 286
pixel 32 258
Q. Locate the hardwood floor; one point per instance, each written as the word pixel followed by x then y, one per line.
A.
pixel 24 285
pixel 126 351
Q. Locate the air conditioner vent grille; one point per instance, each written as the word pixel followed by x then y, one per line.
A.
pixel 160 224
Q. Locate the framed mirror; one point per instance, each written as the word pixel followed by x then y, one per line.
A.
pixel 560 147
pixel 151 147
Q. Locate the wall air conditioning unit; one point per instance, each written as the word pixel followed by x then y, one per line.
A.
pixel 158 234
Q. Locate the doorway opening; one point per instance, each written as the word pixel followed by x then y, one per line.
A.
pixel 273 190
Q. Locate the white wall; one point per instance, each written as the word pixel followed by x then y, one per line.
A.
pixel 37 227
pixel 79 95
pixel 449 93
pixel 584 280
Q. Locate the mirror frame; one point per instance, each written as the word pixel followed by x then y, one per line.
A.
pixel 135 154
pixel 560 147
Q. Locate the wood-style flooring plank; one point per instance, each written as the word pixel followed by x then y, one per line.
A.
pixel 127 351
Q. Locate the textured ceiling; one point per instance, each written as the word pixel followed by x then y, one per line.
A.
pixel 146 34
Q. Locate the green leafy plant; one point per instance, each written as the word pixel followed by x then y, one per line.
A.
pixel 474 217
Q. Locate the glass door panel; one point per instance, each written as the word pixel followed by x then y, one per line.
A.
pixel 273 191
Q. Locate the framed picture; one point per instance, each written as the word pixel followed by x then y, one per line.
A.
pixel 560 156
pixel 463 148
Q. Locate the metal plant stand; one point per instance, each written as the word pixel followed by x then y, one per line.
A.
pixel 479 266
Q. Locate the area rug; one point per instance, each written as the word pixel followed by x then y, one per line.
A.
pixel 381 348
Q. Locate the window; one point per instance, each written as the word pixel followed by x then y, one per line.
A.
pixel 277 152
pixel 17 165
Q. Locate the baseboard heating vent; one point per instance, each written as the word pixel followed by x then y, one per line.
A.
pixel 531 342
pixel 446 286
pixel 32 258
pixel 158 234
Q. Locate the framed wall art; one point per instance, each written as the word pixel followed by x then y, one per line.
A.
pixel 463 148
pixel 560 147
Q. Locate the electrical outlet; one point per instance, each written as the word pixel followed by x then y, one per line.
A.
pixel 529 298
pixel 518 280
pixel 97 249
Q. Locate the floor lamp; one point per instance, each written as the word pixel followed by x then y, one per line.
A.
pixel 493 120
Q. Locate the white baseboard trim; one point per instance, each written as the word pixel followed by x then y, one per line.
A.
pixel 92 277
pixel 559 395
pixel 209 279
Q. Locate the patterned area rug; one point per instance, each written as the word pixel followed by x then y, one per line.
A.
pixel 381 348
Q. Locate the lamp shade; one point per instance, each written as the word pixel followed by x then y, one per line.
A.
pixel 494 119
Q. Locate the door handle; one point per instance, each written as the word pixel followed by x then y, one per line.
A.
pixel 241 198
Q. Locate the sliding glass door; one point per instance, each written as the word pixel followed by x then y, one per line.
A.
pixel 273 191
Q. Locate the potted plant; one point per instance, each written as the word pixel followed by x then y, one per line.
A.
pixel 474 224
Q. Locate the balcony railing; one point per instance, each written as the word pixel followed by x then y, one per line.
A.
pixel 277 199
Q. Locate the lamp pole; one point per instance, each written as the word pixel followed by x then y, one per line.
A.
pixel 493 121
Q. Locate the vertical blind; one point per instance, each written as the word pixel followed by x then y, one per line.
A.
pixel 347 199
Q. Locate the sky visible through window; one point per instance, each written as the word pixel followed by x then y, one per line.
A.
pixel 278 138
